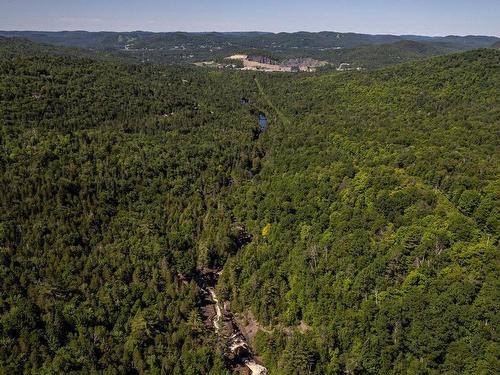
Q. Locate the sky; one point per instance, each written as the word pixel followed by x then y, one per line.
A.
pixel 423 17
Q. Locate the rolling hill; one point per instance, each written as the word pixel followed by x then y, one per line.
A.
pixel 183 47
pixel 356 233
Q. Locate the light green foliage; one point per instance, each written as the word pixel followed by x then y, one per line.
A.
pixel 384 218
pixel 371 203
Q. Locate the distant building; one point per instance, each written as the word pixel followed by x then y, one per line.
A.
pixel 344 66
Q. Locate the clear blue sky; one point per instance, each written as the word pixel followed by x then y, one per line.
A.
pixel 426 17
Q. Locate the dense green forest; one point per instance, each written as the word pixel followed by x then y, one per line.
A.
pixel 110 184
pixel 379 195
pixel 371 202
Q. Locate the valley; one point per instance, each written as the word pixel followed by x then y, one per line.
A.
pixel 162 217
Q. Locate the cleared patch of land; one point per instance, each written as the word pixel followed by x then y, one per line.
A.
pixel 255 63
pixel 265 64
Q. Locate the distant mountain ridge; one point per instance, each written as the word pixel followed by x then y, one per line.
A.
pixel 353 50
pixel 302 39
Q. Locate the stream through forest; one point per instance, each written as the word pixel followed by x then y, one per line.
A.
pixel 217 314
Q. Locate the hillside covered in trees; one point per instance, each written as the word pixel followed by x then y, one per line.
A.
pixel 362 50
pixel 358 233
pixel 376 222
pixel 153 40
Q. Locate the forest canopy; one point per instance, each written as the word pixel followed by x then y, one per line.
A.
pixel 369 207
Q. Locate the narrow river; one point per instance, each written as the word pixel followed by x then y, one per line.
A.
pixel 238 350
pixel 263 123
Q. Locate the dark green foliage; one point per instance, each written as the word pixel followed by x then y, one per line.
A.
pixel 371 201
pixel 111 179
pixel 375 56
pixel 383 221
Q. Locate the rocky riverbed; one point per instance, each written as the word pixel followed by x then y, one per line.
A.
pixel 217 314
